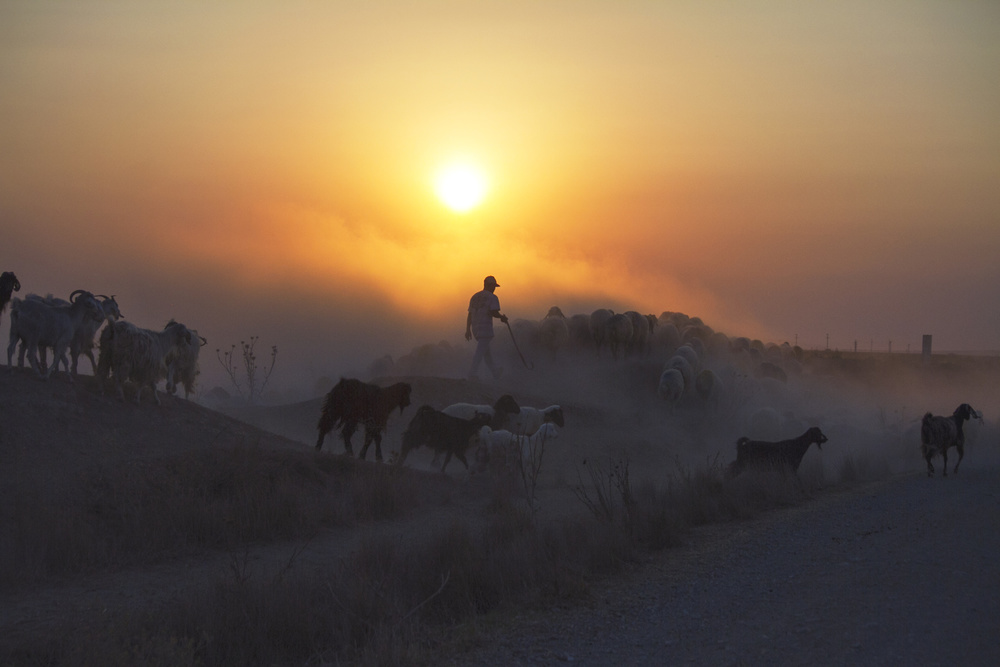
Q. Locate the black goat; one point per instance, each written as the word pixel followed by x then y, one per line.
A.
pixel 8 285
pixel 352 402
pixel 442 433
pixel 773 455
pixel 937 434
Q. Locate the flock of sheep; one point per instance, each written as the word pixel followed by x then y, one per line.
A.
pixel 504 435
pixel 127 353
pixel 699 362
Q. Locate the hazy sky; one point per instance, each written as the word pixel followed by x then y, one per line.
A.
pixel 779 169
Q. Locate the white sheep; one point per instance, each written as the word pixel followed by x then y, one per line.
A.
pixel 553 331
pixel 506 451
pixel 618 333
pixel 686 370
pixel 642 332
pixel 598 321
pixel 498 412
pixel 529 420
pixel 671 386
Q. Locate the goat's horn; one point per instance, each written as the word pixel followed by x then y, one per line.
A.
pixel 204 341
pixel 74 295
pixel 102 296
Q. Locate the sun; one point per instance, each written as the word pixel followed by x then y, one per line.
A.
pixel 460 186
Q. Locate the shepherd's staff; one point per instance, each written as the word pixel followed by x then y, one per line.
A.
pixel 530 366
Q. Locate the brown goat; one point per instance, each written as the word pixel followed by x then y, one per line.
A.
pixel 352 402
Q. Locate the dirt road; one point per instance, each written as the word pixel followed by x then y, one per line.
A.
pixel 904 572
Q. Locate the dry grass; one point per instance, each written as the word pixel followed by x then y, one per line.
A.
pixel 218 498
pixel 388 603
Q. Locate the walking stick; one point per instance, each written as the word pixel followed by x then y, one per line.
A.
pixel 530 366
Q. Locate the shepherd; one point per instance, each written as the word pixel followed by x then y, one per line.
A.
pixel 484 306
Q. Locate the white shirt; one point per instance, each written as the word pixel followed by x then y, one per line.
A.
pixel 481 305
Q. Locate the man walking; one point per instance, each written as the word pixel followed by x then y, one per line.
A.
pixel 483 307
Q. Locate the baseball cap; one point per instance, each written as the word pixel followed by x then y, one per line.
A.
pixel 490 280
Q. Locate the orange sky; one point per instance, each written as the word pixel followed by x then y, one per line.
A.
pixel 265 168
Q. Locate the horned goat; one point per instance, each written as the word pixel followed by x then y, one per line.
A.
pixel 83 340
pixel 781 455
pixel 131 353
pixel 36 324
pixel 182 365
pixel 937 434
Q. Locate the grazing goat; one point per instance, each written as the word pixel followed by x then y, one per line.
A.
pixel 182 365
pixel 8 285
pixel 529 420
pixel 352 402
pixel 443 433
pixel 937 434
pixel 130 353
pixel 39 324
pixel 785 454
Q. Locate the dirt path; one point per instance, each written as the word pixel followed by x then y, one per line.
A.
pixel 901 572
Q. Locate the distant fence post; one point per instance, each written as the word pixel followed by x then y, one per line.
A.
pixel 927 347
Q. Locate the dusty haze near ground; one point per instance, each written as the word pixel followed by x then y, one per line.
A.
pixel 53 432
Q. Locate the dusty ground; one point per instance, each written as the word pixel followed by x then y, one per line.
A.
pixel 896 573
pixel 899 572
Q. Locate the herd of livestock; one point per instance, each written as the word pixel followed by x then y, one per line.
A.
pixel 504 432
pixel 127 353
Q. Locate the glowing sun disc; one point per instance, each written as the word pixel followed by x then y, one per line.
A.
pixel 461 187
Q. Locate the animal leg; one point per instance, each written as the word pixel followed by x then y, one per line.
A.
pixel 378 446
pixel 930 466
pixel 346 434
pixel 961 454
pixel 447 457
pixel 944 466
pixel 364 447
pixel 319 440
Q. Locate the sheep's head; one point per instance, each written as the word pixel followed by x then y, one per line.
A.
pixel 554 414
pixel 555 311
pixel 507 405
pixel 816 435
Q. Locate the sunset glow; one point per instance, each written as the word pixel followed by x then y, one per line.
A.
pixel 343 176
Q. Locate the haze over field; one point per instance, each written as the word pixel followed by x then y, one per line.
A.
pixel 785 171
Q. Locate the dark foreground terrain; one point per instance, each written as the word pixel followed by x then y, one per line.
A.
pixel 902 572
pixel 167 535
